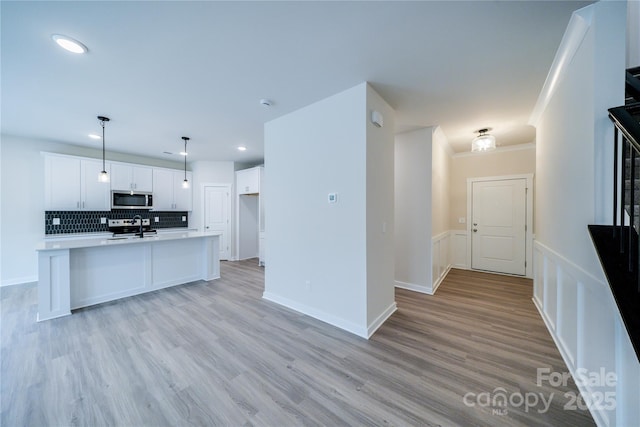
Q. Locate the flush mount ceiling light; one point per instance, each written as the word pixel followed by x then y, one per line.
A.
pixel 69 44
pixel 484 141
pixel 185 183
pixel 104 176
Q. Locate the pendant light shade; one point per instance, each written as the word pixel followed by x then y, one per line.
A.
pixel 484 141
pixel 104 176
pixel 185 183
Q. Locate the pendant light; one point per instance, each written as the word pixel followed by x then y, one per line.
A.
pixel 185 183
pixel 484 141
pixel 104 176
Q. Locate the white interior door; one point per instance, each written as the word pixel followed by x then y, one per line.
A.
pixel 217 215
pixel 498 226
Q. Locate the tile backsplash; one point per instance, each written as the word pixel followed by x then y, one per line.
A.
pixel 89 221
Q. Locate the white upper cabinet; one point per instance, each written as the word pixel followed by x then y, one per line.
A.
pixel 71 183
pixel 128 177
pixel 94 195
pixel 168 193
pixel 248 180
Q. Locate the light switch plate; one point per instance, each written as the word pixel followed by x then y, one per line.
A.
pixel 103 220
pixel 157 219
pixel 184 218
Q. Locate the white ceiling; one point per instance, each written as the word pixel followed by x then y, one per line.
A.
pixel 161 70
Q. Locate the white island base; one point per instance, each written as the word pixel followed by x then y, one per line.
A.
pixel 79 273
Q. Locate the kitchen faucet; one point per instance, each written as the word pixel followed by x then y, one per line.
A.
pixel 133 221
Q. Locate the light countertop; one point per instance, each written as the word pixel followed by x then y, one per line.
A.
pixel 50 244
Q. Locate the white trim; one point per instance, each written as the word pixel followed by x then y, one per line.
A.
pixel 529 217
pixel 413 287
pixel 571 41
pixel 457 235
pixel 348 326
pixel 516 147
pixel 373 327
pixel 18 281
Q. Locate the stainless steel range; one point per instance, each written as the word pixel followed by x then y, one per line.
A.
pixel 121 227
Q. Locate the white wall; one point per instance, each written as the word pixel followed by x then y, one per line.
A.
pixel 440 207
pixel 380 213
pixel 413 212
pixel 573 134
pixel 317 254
pixel 22 200
pixel 633 33
pixel 422 174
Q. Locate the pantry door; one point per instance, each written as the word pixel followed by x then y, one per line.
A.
pixel 217 214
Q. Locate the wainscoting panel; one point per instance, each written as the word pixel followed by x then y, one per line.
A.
pixel 584 321
pixel 459 249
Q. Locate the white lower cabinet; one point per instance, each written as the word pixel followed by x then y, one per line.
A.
pixel 168 192
pixel 72 184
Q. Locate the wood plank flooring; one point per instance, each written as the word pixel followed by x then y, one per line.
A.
pixel 217 354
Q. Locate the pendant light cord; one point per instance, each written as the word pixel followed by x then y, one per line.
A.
pixel 103 120
pixel 103 161
pixel 185 158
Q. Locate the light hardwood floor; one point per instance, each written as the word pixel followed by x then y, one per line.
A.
pixel 217 354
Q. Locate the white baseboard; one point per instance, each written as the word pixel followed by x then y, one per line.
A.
pixel 373 327
pixel 18 281
pixel 348 326
pixel 440 279
pixel 413 287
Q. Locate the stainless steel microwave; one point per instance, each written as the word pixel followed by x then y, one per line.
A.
pixel 131 200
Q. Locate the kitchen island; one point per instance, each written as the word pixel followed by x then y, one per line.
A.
pixel 83 272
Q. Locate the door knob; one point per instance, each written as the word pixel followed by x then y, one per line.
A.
pixel 475 223
pixel 475 230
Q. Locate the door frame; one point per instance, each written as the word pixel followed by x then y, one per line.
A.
pixel 203 213
pixel 529 217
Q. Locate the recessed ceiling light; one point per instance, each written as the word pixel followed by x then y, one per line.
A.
pixel 69 44
pixel 183 153
pixel 242 148
pixel 94 136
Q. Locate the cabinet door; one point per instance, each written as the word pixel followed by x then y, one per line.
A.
pixel 142 178
pixel 248 181
pixel 182 196
pixel 163 184
pixel 121 177
pixel 95 194
pixel 62 183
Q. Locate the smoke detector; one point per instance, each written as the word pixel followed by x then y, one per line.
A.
pixel 266 102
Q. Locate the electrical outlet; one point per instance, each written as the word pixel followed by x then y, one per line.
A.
pixel 56 221
pixel 157 219
pixel 103 220
pixel 184 218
